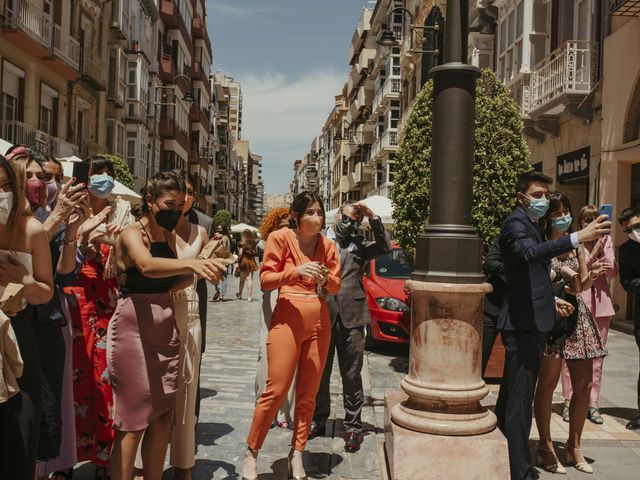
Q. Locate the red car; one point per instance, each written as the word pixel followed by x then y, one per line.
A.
pixel 388 302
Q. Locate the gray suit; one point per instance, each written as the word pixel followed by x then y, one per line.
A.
pixel 349 315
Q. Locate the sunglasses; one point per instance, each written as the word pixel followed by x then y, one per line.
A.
pixel 631 228
pixel 346 219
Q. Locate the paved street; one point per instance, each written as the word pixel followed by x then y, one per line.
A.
pixel 228 398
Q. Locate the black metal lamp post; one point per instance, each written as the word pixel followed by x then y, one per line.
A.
pixel 188 97
pixel 450 251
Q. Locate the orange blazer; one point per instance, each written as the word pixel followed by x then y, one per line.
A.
pixel 282 256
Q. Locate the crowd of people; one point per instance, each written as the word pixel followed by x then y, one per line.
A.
pixel 552 306
pixel 103 314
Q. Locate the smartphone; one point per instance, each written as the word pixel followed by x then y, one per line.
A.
pixel 81 172
pixel 607 209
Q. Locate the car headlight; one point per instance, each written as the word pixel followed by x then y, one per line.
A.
pixel 393 304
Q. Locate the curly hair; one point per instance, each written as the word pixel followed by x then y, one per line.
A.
pixel 272 221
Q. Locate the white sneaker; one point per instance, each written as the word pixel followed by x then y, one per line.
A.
pixel 249 299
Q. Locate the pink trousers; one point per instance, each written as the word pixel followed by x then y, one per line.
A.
pixel 603 328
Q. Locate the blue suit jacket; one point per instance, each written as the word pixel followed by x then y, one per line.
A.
pixel 529 304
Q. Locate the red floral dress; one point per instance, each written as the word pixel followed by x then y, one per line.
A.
pixel 91 304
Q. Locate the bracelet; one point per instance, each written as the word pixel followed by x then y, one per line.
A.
pixel 591 276
pixel 70 242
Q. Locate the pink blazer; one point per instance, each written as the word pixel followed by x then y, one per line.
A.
pixel 598 297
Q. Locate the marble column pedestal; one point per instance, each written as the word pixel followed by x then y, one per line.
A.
pixel 436 427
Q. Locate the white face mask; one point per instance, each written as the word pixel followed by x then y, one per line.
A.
pixel 634 235
pixel 6 204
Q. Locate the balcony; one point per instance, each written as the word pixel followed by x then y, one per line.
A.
pixel 564 78
pixel 167 68
pixel 197 72
pixel 520 89
pixel 141 39
pixel 197 27
pixel 360 104
pixel 66 48
pixel 169 13
pixel 390 91
pixel 387 142
pixel 135 112
pixel 93 69
pixel 359 177
pixel 624 8
pixel 196 115
pixel 31 27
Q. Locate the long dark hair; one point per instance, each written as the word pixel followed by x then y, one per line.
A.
pixel 160 183
pixel 16 217
pixel 557 201
pixel 300 205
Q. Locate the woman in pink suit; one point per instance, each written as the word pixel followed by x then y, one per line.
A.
pixel 602 264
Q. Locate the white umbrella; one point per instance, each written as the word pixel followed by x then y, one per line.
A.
pixel 120 190
pixel 381 206
pixel 241 227
pixel 4 146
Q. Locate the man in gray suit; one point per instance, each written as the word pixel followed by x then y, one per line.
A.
pixel 349 315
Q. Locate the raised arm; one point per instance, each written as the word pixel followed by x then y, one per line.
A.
pixel 516 238
pixel 381 245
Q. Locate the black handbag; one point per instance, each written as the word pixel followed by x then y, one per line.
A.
pixel 563 327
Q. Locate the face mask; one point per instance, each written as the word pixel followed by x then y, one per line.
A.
pixel 6 204
pixel 168 219
pixel 52 193
pixel 537 207
pixel 635 236
pixel 346 227
pixel 36 192
pixel 101 185
pixel 562 224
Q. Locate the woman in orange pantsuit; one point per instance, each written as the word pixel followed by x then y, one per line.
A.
pixel 305 267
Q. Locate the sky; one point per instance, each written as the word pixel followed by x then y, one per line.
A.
pixel 291 59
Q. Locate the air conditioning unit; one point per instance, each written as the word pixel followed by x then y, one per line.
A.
pixel 42 138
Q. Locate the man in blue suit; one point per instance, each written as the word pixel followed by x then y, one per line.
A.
pixel 529 312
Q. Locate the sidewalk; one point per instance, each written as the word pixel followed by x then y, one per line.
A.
pixel 227 381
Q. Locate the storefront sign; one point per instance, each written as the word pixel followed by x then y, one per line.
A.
pixel 574 165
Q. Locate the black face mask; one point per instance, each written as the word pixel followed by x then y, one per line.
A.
pixel 168 219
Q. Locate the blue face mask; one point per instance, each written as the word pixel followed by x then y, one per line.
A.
pixel 101 185
pixel 562 224
pixel 537 207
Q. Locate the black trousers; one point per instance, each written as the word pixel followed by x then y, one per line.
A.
pixel 489 335
pixel 636 334
pixel 523 353
pixel 349 343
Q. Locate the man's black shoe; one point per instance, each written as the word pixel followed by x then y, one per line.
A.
pixel 634 424
pixel 316 430
pixel 352 442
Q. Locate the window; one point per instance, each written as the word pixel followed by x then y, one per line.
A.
pixel 48 110
pixel 539 36
pixel 12 90
pixel 511 33
pixel 115 137
pixel 582 20
pixel 120 17
pixel 117 86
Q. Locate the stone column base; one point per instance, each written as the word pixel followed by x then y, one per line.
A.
pixel 414 455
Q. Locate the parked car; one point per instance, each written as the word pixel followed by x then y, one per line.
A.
pixel 388 301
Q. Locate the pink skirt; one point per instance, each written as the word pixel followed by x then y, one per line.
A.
pixel 143 348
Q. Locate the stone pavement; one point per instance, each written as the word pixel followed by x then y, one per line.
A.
pixel 227 382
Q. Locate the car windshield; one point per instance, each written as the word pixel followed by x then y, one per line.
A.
pixel 395 264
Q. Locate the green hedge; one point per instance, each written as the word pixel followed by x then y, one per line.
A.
pixel 501 155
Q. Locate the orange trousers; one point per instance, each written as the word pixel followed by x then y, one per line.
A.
pixel 299 336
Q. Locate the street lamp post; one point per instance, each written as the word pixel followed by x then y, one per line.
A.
pixel 188 97
pixel 439 410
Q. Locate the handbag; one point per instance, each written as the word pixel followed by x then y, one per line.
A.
pixel 215 249
pixel 11 364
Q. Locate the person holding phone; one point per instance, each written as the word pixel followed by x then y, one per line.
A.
pixel 629 219
pixel 602 266
pixel 578 346
pixel 92 302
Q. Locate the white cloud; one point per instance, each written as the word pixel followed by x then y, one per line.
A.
pixel 282 115
pixel 219 7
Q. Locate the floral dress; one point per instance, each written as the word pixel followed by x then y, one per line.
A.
pixel 584 341
pixel 92 302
